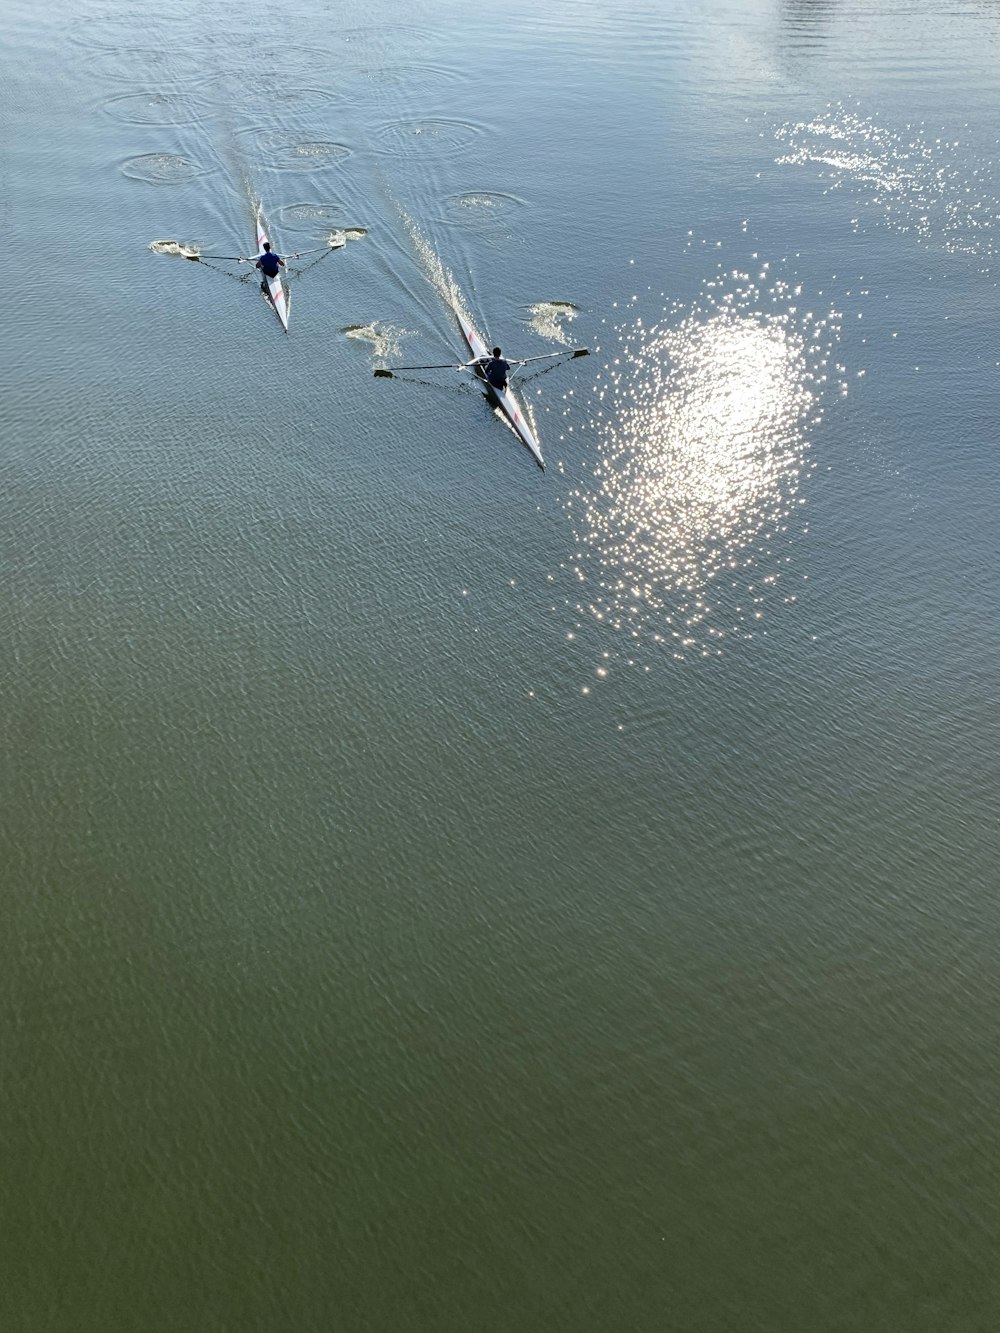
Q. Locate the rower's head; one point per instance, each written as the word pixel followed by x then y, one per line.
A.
pixel 267 245
pixel 497 351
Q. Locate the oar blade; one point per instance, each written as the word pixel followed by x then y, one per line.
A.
pixel 582 351
pixel 384 375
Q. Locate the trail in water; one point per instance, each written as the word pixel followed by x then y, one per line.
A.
pixel 416 268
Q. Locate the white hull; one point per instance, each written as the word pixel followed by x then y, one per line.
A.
pixel 275 288
pixel 509 405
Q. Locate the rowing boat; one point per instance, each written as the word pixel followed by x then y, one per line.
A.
pixel 275 290
pixel 504 398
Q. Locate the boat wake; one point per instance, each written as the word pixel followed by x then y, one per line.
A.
pixel 437 274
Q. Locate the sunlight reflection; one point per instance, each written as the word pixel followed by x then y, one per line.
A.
pixel 704 425
pixel 918 182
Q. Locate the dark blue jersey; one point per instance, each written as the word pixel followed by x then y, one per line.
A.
pixel 497 370
pixel 269 264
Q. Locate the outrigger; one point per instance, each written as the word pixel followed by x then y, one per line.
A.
pixel 276 293
pixel 504 399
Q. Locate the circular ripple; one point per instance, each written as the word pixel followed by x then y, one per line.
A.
pixel 481 207
pixel 405 138
pixel 134 63
pixel 299 99
pixel 284 154
pixel 373 38
pixel 161 169
pixel 232 90
pixel 415 77
pixel 117 32
pixel 154 108
pixel 309 156
pixel 290 62
pixel 311 216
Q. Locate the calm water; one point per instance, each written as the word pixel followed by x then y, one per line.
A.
pixel 442 895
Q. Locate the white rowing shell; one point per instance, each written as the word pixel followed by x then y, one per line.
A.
pixel 505 397
pixel 274 287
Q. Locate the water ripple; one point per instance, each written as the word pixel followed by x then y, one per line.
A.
pixel 310 216
pixel 375 37
pixel 253 89
pixel 414 78
pixel 136 64
pixel 154 108
pixel 405 138
pixel 481 208
pixel 162 169
pixel 116 32
pixel 284 153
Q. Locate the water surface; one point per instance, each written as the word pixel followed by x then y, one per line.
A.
pixel 443 895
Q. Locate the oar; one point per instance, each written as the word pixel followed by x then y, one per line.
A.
pixel 242 259
pixel 330 245
pixel 387 372
pixel 466 365
pixel 580 351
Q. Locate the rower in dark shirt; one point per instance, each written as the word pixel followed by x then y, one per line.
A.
pixel 269 263
pixel 496 369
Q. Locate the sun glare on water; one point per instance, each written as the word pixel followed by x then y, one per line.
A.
pixel 919 179
pixel 704 423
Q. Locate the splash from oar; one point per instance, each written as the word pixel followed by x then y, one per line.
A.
pixel 179 248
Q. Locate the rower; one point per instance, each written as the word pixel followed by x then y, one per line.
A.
pixel 496 369
pixel 269 263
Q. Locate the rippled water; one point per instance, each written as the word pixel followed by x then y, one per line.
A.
pixel 445 895
pixel 926 187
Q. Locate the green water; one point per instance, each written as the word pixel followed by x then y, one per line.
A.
pixel 443 895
